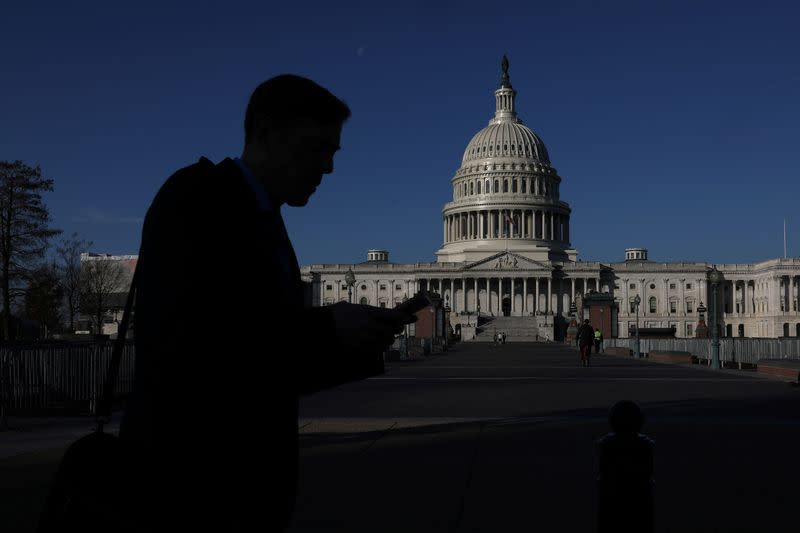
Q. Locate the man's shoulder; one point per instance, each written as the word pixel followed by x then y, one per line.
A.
pixel 193 183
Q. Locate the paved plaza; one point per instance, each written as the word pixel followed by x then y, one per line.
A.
pixel 501 438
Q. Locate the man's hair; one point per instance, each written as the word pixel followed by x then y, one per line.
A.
pixel 625 417
pixel 287 97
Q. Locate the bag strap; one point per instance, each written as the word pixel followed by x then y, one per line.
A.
pixel 103 412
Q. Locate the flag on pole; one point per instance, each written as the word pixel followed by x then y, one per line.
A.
pixel 509 219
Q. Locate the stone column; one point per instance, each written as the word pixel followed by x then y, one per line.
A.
pixel 572 291
pixel 665 305
pixel 703 292
pixel 476 293
pixel 549 293
pixel 464 294
pixel 536 294
pixel 525 296
pixel 544 228
pixel 645 305
pixel 627 303
pixel 597 284
pixel 489 295
pixel 513 307
pixel 499 296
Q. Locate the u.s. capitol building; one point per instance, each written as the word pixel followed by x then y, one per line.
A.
pixel 506 252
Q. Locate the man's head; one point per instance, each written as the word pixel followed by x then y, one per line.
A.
pixel 292 129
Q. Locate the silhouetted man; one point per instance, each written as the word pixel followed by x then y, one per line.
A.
pixel 585 341
pixel 219 310
pixel 625 473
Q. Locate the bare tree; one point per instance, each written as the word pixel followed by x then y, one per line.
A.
pixel 24 230
pixel 43 299
pixel 103 285
pixel 69 265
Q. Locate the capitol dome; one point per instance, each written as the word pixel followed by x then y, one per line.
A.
pixel 506 194
pixel 506 139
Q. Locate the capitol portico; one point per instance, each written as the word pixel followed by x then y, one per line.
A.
pixel 506 252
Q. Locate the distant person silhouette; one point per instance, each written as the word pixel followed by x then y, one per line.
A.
pixel 585 341
pixel 625 473
pixel 219 309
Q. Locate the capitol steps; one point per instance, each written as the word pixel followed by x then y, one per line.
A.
pixel 516 328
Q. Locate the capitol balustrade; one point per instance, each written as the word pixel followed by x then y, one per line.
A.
pixel 732 350
pixel 66 377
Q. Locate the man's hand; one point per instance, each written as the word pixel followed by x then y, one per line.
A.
pixel 367 328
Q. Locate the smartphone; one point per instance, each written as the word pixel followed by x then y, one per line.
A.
pixel 417 302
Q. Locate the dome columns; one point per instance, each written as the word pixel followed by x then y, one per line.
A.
pixel 507 223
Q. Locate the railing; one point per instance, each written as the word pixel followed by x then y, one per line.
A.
pixel 735 350
pixel 42 377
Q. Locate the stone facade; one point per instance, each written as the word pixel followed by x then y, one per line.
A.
pixel 506 251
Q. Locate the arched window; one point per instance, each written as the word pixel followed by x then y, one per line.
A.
pixel 471 188
pixel 524 185
pixel 505 185
pixel 479 187
pixel 653 304
pixel 364 300
pixel 786 329
pixel 487 189
pixel 514 185
pixel 496 186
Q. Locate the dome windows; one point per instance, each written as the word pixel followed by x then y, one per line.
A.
pixel 524 186
pixel 487 187
pixel 514 185
pixel 479 187
pixel 505 185
pixel 471 188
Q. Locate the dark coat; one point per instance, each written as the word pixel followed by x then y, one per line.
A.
pixel 625 483
pixel 224 346
pixel 585 335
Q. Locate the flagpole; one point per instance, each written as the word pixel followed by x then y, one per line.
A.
pixel 784 238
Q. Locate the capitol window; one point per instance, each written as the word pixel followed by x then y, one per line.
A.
pixel 688 286
pixel 479 187
pixel 514 186
pixel 328 287
pixel 671 285
pixel 471 188
pixel 383 287
pixel 496 186
pixel 505 185
pixel 363 287
pixel 652 304
pixel 488 186
pixel 524 186
pixel 632 285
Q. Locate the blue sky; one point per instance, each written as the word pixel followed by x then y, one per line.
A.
pixel 672 124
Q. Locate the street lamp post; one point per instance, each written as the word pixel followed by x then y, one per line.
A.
pixel 715 277
pixel 350 280
pixel 637 352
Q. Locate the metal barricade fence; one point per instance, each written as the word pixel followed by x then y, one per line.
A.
pixel 39 377
pixel 736 350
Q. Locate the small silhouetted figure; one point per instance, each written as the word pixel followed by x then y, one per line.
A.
pixel 625 477
pixel 585 341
